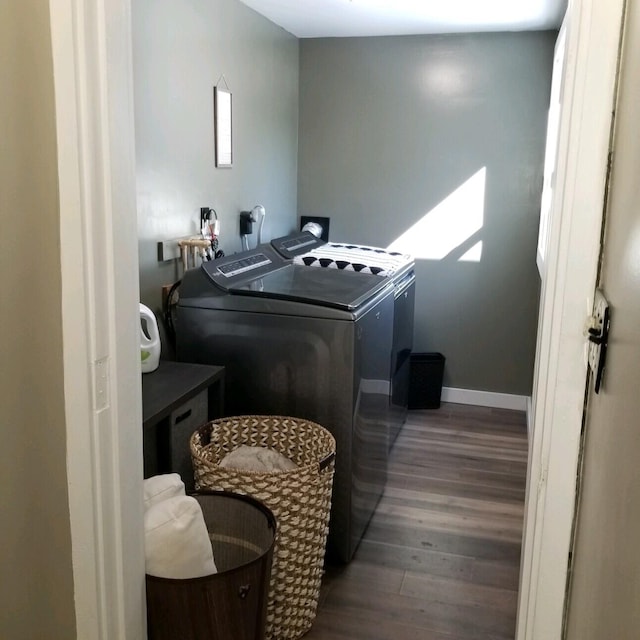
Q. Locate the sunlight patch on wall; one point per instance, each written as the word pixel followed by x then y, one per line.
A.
pixel 448 225
pixel 473 255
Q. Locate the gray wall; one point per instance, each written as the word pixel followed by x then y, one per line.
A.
pixel 389 127
pixel 181 50
pixel 36 587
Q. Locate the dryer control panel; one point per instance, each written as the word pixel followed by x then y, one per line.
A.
pixel 296 244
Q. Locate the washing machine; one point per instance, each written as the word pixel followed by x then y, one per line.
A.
pixel 308 343
pixel 305 249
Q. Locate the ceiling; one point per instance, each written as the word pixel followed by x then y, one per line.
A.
pixel 349 18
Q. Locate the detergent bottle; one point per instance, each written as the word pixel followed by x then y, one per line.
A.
pixel 149 340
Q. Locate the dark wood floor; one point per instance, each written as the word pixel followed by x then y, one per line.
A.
pixel 440 559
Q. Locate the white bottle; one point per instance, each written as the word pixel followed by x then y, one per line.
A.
pixel 149 340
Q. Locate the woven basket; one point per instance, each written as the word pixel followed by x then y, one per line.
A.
pixel 299 499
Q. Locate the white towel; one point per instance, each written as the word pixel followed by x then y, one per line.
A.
pixel 177 543
pixel 157 488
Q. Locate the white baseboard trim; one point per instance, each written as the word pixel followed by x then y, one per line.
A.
pixel 529 417
pixel 485 399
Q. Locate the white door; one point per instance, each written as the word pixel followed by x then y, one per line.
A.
pixel 604 595
pixel 569 271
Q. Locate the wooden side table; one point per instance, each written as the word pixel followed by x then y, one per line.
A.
pixel 177 399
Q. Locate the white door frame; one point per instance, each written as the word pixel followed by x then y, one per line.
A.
pixel 568 282
pixel 91 46
pixel 94 114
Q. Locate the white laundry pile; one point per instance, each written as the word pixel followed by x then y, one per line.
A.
pixel 257 459
pixel 177 543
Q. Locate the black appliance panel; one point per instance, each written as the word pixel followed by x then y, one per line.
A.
pixel 239 268
pixel 296 244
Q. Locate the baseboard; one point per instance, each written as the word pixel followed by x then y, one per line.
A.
pixel 529 417
pixel 485 399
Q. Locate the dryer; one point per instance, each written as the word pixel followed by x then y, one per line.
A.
pixel 305 249
pixel 309 343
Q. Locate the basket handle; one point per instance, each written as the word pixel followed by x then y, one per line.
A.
pixel 326 461
pixel 205 434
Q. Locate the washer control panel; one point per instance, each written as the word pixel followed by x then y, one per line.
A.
pixel 238 268
pixel 243 265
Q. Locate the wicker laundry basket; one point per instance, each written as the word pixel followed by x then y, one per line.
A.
pixel 299 499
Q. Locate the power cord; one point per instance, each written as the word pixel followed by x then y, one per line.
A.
pixel 167 311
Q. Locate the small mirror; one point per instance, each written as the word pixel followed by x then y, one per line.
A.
pixel 222 125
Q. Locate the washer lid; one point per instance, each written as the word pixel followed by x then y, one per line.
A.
pixel 324 287
pixel 355 257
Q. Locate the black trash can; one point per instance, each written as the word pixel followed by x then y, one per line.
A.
pixel 233 602
pixel 425 380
